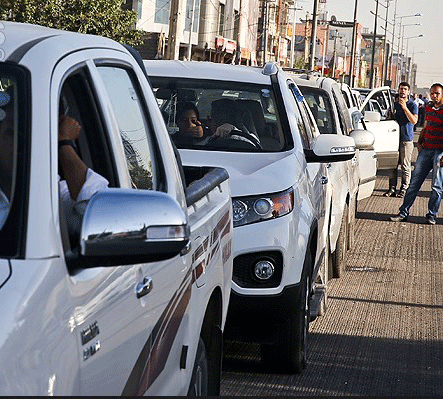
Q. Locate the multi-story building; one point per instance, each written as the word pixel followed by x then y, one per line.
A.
pixel 210 30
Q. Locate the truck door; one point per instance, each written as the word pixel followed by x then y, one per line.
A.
pixel 124 340
pixel 364 175
pixel 157 367
pixel 317 172
pixel 110 322
pixel 384 128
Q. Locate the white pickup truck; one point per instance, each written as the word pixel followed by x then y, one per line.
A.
pixel 133 300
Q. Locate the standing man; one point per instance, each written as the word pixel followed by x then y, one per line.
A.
pixel 406 114
pixel 430 147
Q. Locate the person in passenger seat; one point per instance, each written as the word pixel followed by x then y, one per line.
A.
pixel 190 129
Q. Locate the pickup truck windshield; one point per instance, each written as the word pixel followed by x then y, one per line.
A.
pixel 218 115
pixel 8 139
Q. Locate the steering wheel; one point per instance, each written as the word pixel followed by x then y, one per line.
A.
pixel 250 137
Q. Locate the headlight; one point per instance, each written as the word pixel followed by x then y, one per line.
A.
pixel 254 209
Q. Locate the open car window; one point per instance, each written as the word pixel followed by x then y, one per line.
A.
pixel 218 115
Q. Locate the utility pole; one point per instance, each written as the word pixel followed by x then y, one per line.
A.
pixel 386 55
pixel 265 30
pixel 353 48
pixel 392 47
pixel 334 56
pixel 371 79
pixel 313 36
pixel 294 24
pixel 172 51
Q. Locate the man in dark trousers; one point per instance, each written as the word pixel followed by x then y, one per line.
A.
pixel 406 114
pixel 430 147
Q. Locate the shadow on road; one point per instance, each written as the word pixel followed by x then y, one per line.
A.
pixel 341 365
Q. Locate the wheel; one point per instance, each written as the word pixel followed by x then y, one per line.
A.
pixel 289 354
pixel 351 225
pixel 339 255
pixel 200 376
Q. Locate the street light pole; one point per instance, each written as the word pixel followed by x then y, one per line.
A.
pixel 353 47
pixel 392 45
pixel 407 50
pixel 371 79
pixel 294 25
pixel 191 26
pixel 400 38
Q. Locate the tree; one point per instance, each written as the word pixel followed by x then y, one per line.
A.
pixel 97 17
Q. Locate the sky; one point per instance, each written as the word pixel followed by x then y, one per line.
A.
pixel 428 50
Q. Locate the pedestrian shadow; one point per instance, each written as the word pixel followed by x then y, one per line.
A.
pixel 383 217
pixel 380 191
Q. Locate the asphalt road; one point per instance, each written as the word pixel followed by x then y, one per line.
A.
pixel 382 334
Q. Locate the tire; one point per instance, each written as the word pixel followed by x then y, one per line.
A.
pixel 290 353
pixel 200 377
pixel 339 255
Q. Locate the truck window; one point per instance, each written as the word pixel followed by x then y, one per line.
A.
pixel 14 159
pixel 305 132
pixel 247 113
pixel 134 130
pixel 343 113
pixel 8 137
pixel 321 108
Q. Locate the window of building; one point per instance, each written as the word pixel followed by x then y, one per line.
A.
pixel 221 19
pixel 189 5
pixel 162 10
pixel 236 24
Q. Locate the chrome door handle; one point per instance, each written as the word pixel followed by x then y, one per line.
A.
pixel 144 287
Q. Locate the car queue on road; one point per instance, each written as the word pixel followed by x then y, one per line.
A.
pixel 245 254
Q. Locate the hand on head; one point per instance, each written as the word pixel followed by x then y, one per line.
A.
pixel 188 121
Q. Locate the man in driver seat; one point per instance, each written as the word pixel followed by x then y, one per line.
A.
pixel 227 122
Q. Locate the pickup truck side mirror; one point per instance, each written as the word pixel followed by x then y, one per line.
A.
pixel 331 148
pixel 372 116
pixel 364 139
pixel 356 117
pixel 125 226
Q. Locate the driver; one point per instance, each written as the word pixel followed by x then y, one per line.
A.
pixel 226 122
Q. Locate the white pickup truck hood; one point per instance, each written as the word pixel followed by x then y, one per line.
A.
pixel 250 173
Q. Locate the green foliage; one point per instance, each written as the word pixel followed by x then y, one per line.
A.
pixel 140 177
pixel 300 63
pixel 97 17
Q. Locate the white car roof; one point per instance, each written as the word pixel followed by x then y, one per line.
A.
pixel 314 81
pixel 21 38
pixel 206 70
